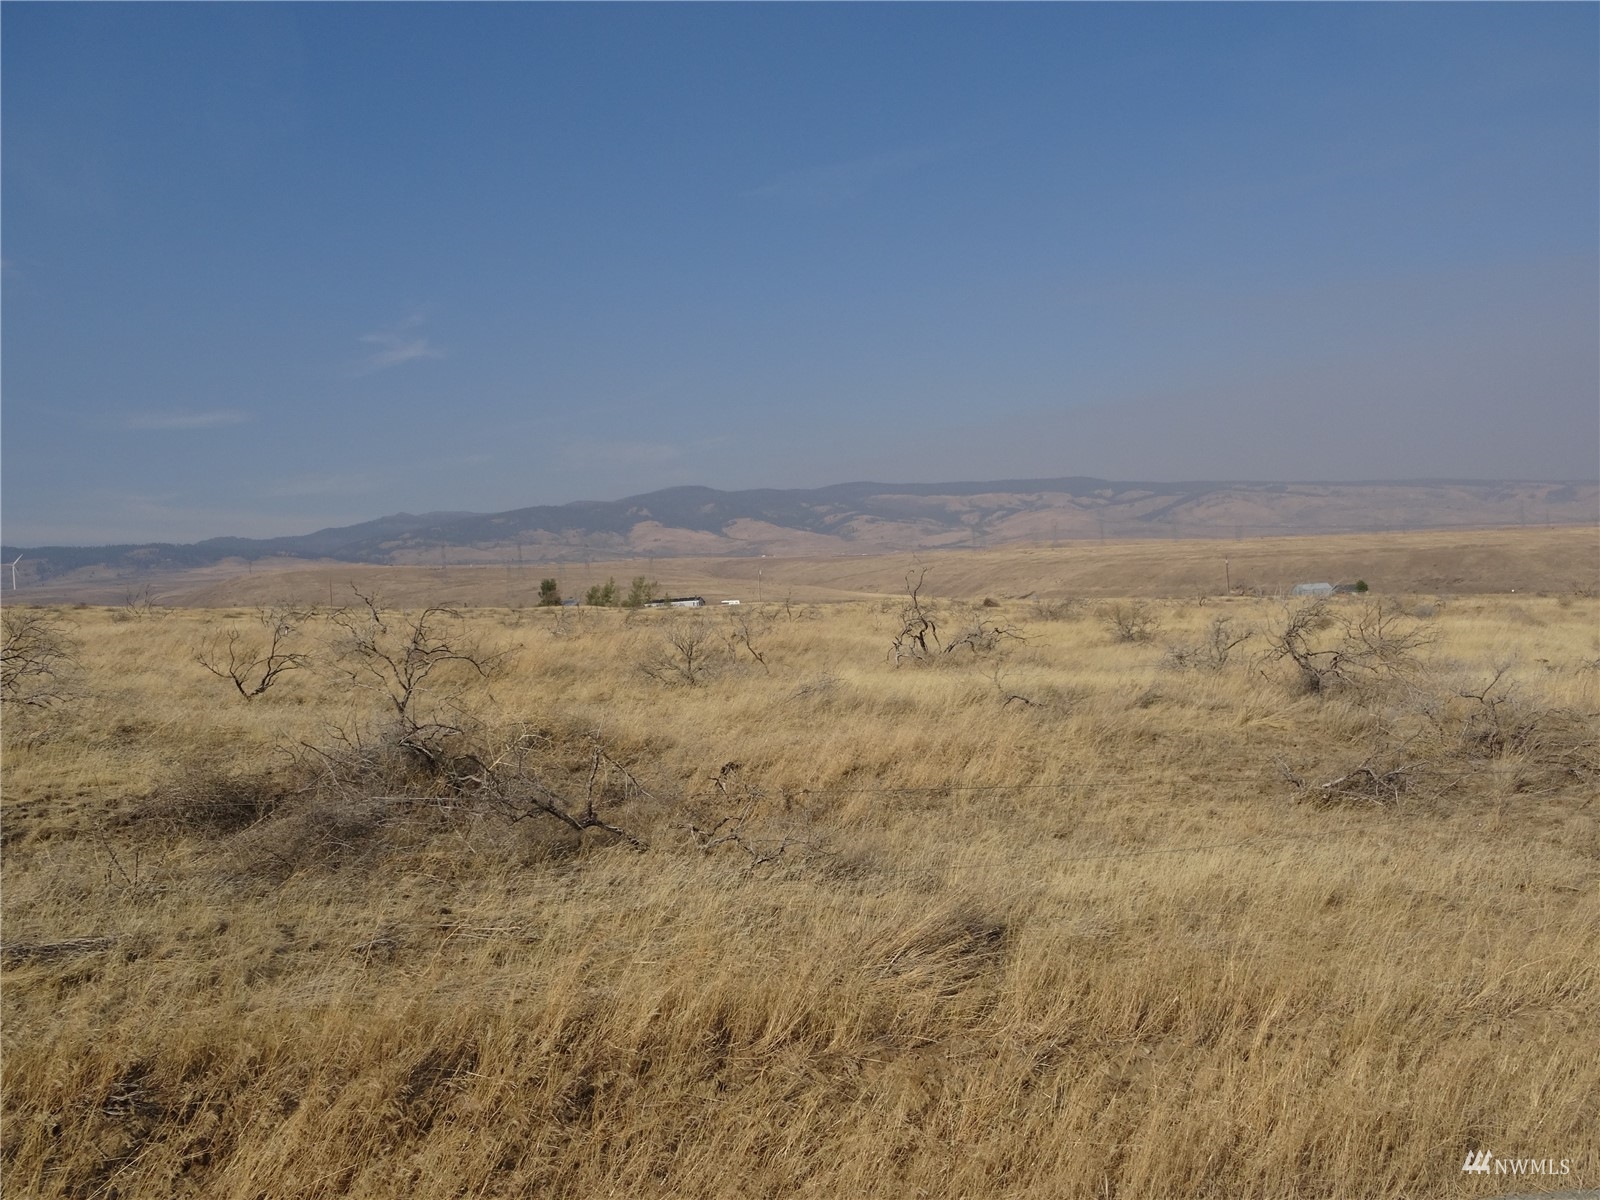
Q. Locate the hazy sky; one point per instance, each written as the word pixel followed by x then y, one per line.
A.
pixel 274 267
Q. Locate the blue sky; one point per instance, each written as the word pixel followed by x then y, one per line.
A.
pixel 275 267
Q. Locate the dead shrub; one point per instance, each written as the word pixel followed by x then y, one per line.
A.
pixel 1381 779
pixel 435 759
pixel 363 797
pixel 1333 649
pixel 982 637
pixel 689 652
pixel 919 642
pixel 37 650
pixel 254 664
pixel 1440 740
pixel 530 773
pixel 1130 620
pixel 1069 609
pixel 420 664
pixel 742 629
pixel 730 813
pixel 1548 745
pixel 1213 651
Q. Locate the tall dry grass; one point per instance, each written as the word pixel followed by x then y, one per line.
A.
pixel 1070 917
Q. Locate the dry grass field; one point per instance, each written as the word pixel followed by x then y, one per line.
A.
pixel 1071 897
pixel 1453 562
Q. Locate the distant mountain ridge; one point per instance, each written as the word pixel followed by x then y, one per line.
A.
pixel 864 518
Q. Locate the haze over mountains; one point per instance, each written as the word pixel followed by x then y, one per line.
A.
pixel 857 518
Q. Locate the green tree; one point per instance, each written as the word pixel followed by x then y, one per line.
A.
pixel 602 596
pixel 549 593
pixel 640 592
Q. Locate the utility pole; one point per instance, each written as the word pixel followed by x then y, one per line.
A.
pixel 1227 578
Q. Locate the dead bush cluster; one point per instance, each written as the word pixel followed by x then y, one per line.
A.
pixel 140 604
pixel 688 652
pixel 396 654
pixel 426 670
pixel 530 773
pixel 423 759
pixel 1337 648
pixel 1130 620
pixel 433 756
pixel 744 632
pixel 1438 740
pixel 1380 779
pixel 1213 651
pixel 36 657
pixel 1068 609
pixel 355 800
pixel 919 642
pixel 1544 746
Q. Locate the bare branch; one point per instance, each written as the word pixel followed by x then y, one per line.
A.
pixel 688 652
pixel 397 661
pixel 251 667
pixel 739 802
pixel 1213 651
pixel 1130 620
pixel 1333 649
pixel 36 657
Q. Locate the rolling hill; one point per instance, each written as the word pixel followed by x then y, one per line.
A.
pixel 851 518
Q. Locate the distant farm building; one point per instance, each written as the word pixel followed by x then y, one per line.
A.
pixel 1313 589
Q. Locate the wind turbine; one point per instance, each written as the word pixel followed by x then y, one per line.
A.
pixel 13 565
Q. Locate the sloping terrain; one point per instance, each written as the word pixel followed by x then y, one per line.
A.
pixel 853 518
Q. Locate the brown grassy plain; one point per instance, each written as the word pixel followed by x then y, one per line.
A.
pixel 1056 918
pixel 1448 562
